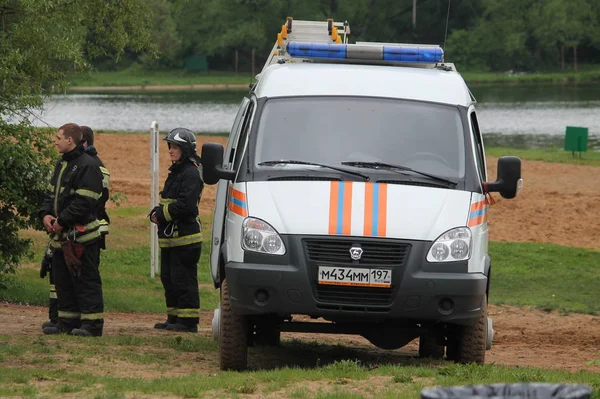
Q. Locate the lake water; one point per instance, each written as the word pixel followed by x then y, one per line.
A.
pixel 518 115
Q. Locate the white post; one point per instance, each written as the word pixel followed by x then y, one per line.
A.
pixel 154 262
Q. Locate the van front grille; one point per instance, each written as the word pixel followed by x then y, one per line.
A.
pixel 374 252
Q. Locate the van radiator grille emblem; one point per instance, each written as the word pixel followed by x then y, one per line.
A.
pixel 346 251
pixel 356 253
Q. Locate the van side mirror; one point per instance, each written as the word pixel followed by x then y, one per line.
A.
pixel 212 164
pixel 509 181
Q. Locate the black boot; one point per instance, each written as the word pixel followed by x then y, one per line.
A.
pixel 51 330
pixel 88 330
pixel 80 332
pixel 49 323
pixel 57 328
pixel 166 324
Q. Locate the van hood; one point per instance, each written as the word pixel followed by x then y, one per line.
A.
pixel 357 208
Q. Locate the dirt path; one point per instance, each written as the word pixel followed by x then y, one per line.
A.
pixel 524 337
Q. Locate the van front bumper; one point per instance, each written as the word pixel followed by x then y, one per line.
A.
pixel 420 292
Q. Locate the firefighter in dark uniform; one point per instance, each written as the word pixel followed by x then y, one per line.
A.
pixel 90 149
pixel 88 144
pixel 180 233
pixel 68 213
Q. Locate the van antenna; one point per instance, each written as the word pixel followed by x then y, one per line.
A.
pixel 446 32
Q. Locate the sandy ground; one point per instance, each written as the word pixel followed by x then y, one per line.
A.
pixel 559 204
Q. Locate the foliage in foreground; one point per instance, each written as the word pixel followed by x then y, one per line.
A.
pixel 40 42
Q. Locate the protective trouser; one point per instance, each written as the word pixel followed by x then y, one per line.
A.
pixel 80 300
pixel 53 304
pixel 179 276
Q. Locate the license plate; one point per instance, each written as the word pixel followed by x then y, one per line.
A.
pixel 353 276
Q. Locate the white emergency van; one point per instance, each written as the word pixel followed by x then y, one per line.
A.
pixel 353 190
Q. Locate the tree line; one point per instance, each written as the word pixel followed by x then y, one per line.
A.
pixel 478 35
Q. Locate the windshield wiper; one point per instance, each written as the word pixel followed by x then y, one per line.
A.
pixel 387 166
pixel 294 162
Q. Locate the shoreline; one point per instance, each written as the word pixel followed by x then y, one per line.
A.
pixel 475 80
pixel 205 86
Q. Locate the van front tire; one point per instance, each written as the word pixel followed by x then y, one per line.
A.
pixel 233 345
pixel 469 342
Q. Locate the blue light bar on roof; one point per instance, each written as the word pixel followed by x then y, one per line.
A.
pixel 413 54
pixel 316 50
pixel 409 54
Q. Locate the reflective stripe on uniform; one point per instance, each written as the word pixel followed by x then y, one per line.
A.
pixel 52 291
pixel 92 316
pixel 56 191
pixel 90 232
pixel 188 313
pixel 105 177
pixel 91 225
pixel 68 315
pixel 172 311
pixel 180 241
pixel 88 193
pixel 88 236
pixel 103 226
pixel 165 208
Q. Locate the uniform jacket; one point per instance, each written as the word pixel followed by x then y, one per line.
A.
pixel 101 207
pixel 177 214
pixel 72 197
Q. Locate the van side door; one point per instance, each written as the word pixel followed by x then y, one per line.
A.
pixel 218 223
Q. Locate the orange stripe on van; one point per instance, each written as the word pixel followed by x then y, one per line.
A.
pixel 236 202
pixel 375 221
pixel 368 223
pixel 347 212
pixel 478 213
pixel 333 206
pixel 340 208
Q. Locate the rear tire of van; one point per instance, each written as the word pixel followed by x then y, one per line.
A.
pixel 428 347
pixel 233 345
pixel 468 346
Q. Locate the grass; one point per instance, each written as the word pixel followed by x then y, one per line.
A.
pixel 138 77
pixel 337 379
pixel 586 73
pixel 556 155
pixel 547 276
pixel 135 77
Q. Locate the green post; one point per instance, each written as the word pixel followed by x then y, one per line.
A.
pixel 576 139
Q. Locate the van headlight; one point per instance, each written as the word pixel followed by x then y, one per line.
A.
pixel 451 246
pixel 259 236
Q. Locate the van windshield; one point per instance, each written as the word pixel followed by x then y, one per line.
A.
pixel 334 130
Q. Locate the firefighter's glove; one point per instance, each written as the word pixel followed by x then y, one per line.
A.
pixel 73 253
pixel 153 215
pixel 45 266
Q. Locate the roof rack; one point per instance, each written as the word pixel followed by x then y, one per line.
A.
pixel 327 42
pixel 324 32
